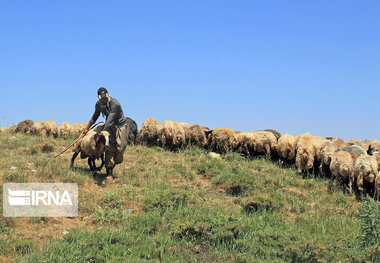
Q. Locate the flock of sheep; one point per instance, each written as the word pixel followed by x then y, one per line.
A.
pixel 352 165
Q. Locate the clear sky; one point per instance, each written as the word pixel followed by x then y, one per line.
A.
pixel 293 66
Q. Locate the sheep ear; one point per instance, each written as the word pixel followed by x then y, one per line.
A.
pixel 208 133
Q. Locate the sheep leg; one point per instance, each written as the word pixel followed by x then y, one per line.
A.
pixel 93 165
pixel 90 163
pixel 102 164
pixel 73 159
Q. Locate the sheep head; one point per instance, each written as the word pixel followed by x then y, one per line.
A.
pixel 105 135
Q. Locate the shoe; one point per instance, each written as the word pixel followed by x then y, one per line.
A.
pixel 109 172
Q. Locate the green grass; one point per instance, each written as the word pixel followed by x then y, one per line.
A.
pixel 184 207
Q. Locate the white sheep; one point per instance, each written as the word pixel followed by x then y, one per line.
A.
pixel 365 172
pixel 64 130
pixel 325 155
pixel 171 135
pixel 265 142
pixel 341 167
pixel 305 153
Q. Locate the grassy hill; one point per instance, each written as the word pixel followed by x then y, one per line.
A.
pixel 184 207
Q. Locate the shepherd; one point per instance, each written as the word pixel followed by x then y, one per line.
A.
pixel 115 124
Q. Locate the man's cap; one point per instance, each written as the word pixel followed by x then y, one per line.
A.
pixel 102 93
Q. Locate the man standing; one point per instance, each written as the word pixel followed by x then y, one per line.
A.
pixel 115 125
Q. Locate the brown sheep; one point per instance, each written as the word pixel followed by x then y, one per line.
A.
pixel 88 148
pixel 148 134
pixel 24 126
pixel 197 136
pixel 245 144
pixel 275 133
pixel 222 140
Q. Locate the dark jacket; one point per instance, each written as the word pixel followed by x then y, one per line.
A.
pixel 112 112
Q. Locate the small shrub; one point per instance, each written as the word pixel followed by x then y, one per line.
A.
pixel 6 224
pixel 112 200
pixel 370 222
pixel 46 147
pixel 148 223
pixel 23 246
pixel 172 197
pixel 109 215
pixel 112 210
pixel 14 176
pixel 236 181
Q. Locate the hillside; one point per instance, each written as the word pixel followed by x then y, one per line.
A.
pixel 183 207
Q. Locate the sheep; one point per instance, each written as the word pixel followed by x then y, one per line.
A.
pixel 64 130
pixel 275 133
pixel 245 144
pixel 318 143
pixel 264 143
pixel 339 143
pixel 373 146
pixel 186 129
pixel 341 167
pixel 325 154
pixel 355 151
pixel 148 134
pixel 24 126
pixel 171 135
pixel 88 148
pixel 305 153
pixel 131 131
pixel 44 128
pixel 76 129
pixel 358 143
pixel 197 136
pixel 221 140
pixel 286 148
pixel 365 172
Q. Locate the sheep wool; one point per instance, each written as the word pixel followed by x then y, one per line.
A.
pixel 197 136
pixel 341 167
pixel 148 134
pixel 222 140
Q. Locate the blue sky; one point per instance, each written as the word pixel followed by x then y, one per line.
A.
pixel 293 66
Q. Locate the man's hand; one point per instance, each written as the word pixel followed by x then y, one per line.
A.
pixel 85 131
